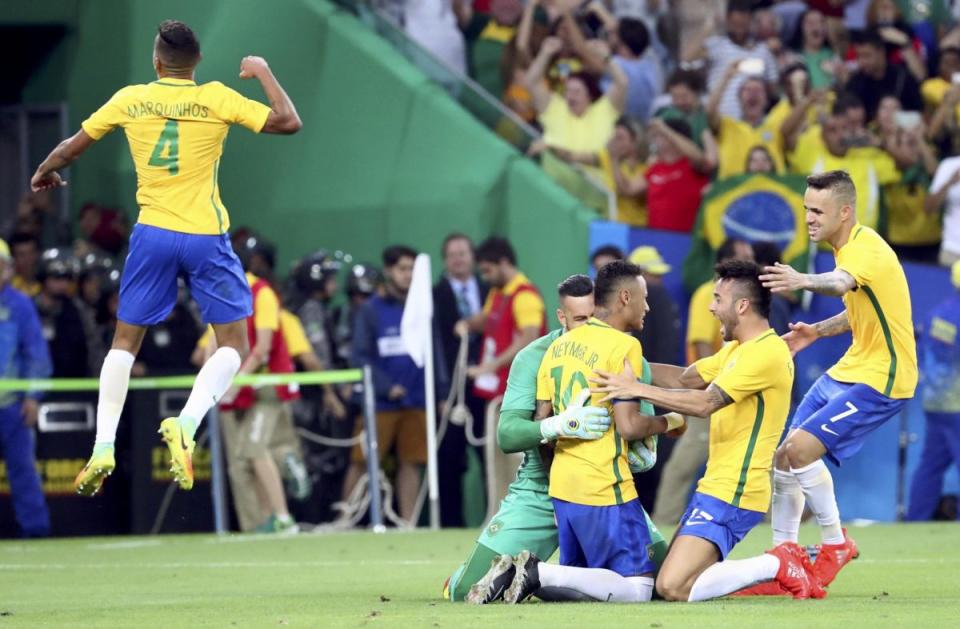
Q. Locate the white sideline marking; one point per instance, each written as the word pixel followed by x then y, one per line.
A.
pixel 218 564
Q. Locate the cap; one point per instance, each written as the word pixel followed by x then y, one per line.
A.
pixel 4 250
pixel 955 274
pixel 649 259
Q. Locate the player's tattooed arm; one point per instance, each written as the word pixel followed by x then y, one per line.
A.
pixel 783 278
pixel 835 283
pixel 833 326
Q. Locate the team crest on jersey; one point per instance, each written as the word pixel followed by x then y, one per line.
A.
pixel 494 527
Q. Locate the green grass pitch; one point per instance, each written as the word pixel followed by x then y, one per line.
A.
pixel 907 576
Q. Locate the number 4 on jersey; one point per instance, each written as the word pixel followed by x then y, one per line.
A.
pixel 169 141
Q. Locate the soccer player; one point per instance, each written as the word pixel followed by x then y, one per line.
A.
pixel 600 523
pixel 744 389
pixel 526 519
pixel 176 130
pixel 868 385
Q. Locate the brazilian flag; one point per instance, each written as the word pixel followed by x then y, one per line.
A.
pixel 755 208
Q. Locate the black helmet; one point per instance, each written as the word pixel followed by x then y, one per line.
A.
pixel 256 245
pixel 96 264
pixel 58 262
pixel 363 279
pixel 313 272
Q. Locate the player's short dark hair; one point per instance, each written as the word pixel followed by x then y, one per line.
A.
pixel 728 249
pixel 746 274
pixel 844 102
pixel 610 277
pixel 177 45
pixel 20 238
pixel 495 249
pixel 837 182
pixel 634 35
pixel 578 285
pixel 608 250
pixel 455 236
pixel 766 253
pixel 692 79
pixel 394 253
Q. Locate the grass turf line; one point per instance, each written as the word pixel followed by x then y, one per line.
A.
pixel 906 576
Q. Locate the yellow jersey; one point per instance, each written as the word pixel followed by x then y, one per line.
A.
pixel 630 210
pixel 869 168
pixel 758 376
pixel 594 473
pixel 293 334
pixel 702 326
pixel 176 130
pixel 883 354
pixel 736 138
pixel 528 307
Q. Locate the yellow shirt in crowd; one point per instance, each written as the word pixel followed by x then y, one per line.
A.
pixel 883 354
pixel 758 377
pixel 736 138
pixel 869 169
pixel 528 307
pixel 630 210
pixel 176 130
pixel 588 133
pixel 595 473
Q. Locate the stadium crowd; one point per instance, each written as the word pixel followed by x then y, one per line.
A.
pixel 658 100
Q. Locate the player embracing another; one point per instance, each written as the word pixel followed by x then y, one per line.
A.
pixel 176 129
pixel 605 541
pixel 744 390
pixel 870 383
pixel 525 520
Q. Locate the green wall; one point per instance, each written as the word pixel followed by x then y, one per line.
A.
pixel 384 156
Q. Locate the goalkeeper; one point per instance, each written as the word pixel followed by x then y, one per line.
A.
pixel 526 520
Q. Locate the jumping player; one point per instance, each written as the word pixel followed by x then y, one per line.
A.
pixel 176 129
pixel 871 382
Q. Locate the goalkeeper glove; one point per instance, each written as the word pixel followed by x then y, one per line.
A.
pixel 577 421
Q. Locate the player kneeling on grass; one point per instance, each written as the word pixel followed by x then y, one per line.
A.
pixel 602 531
pixel 744 389
pixel 526 518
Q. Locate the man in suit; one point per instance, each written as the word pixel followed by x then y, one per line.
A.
pixel 457 295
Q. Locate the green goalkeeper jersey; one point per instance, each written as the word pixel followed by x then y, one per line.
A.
pixel 516 431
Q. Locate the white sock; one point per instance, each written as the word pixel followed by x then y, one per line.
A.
pixel 726 577
pixel 212 382
pixel 596 583
pixel 817 485
pixel 114 382
pixel 787 508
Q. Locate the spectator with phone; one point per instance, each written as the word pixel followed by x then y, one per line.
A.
pixel 941 95
pixel 835 144
pixel 721 52
pixel 912 231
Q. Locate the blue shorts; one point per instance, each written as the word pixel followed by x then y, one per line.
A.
pixel 717 521
pixel 615 537
pixel 212 271
pixel 841 415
